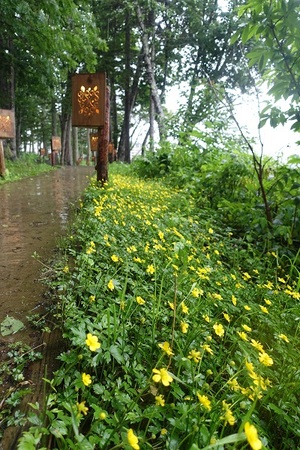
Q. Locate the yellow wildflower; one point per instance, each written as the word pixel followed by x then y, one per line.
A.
pixel 150 269
pixel 194 355
pixel 66 269
pixel 81 408
pixel 246 328
pixel 166 348
pixel 247 308
pixel 92 298
pixel 283 337
pixel 159 400
pixel 257 345
pixel 211 231
pixel 219 329
pixel 265 359
pixel 133 440
pixel 184 308
pixel 163 431
pixel 102 415
pixel 203 399
pixel 92 342
pixel 243 335
pixel 171 304
pixel 207 348
pixel 162 376
pixel 206 318
pixel 264 309
pixel 184 327
pixel 115 258
pixel 140 300
pixel 252 436
pixel 197 292
pixel 226 317
pixel 111 285
pixel 86 379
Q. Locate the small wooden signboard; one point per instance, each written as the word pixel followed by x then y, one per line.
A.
pixel 56 144
pixel 94 142
pixel 88 100
pixel 7 124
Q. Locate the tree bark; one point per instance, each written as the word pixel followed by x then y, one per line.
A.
pixel 151 75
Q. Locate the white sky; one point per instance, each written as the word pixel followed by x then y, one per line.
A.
pixel 279 142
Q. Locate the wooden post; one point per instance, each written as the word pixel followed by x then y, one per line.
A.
pixel 2 160
pixel 103 141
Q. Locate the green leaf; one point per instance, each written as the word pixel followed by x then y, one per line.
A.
pixel 11 326
pixel 115 352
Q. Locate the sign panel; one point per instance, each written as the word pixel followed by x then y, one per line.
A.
pixel 56 144
pixel 94 141
pixel 7 124
pixel 88 99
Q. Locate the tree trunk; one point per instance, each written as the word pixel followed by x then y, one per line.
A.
pixel 151 75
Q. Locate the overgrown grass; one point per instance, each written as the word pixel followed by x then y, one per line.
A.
pixel 176 335
pixel 27 165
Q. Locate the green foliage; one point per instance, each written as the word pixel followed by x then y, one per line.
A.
pixel 217 172
pixel 177 337
pixel 13 369
pixel 27 165
pixel 273 29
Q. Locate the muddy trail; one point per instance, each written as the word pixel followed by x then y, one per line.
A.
pixel 34 214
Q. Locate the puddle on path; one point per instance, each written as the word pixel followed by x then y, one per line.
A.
pixel 33 215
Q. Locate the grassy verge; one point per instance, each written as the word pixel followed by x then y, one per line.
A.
pixel 177 335
pixel 27 165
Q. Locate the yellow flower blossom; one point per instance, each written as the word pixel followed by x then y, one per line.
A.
pixel 211 231
pixel 234 300
pixel 162 376
pixel 219 329
pixel 197 292
pixel 246 328
pixel 111 285
pixel 184 308
pixel 86 379
pixel 204 400
pixel 92 342
pixel 283 337
pixel 115 258
pixel 166 348
pixel 102 415
pixel 265 359
pixel 66 269
pixel 171 304
pixel 133 440
pixel 207 348
pixel 243 335
pixel 206 318
pixel 194 355
pixel 228 417
pixel 264 309
pixel 159 400
pixel 150 269
pixel 92 298
pixel 226 317
pixel 257 345
pixel 184 327
pixel 140 300
pixel 81 408
pixel 252 436
pixel 267 301
pixel 247 308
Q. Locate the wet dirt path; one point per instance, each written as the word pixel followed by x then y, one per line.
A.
pixel 33 216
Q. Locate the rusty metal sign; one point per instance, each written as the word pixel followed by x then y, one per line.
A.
pixel 56 143
pixel 94 142
pixel 88 100
pixel 7 124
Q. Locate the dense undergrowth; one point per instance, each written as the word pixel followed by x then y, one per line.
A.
pixel 177 334
pixel 27 165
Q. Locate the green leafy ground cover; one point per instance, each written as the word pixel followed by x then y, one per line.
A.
pixel 27 165
pixel 176 334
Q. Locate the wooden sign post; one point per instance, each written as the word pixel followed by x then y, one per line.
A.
pixel 90 106
pixel 7 131
pixel 55 148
